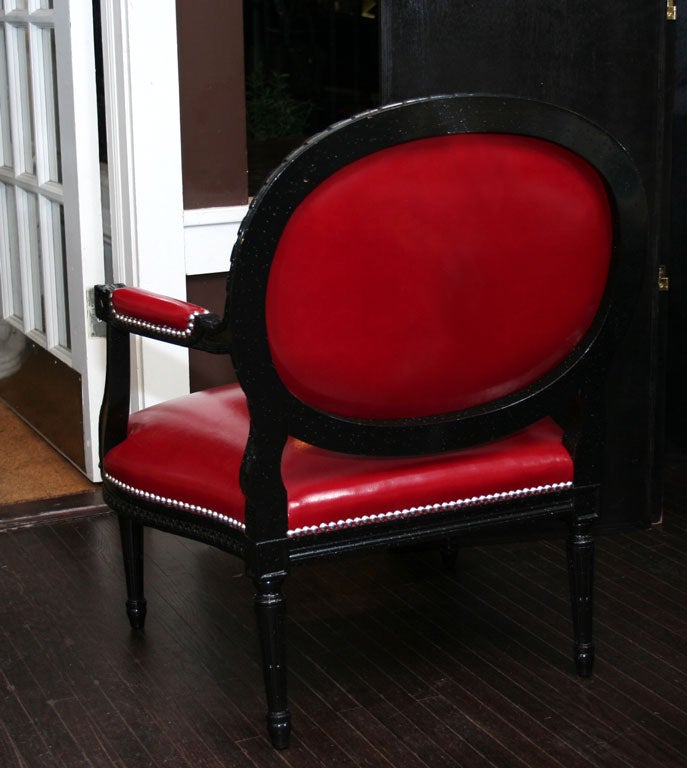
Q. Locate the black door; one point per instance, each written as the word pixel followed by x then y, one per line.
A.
pixel 606 60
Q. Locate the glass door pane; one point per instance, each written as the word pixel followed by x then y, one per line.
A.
pixel 22 108
pixel 55 274
pixel 45 104
pixel 11 265
pixel 30 254
pixel 308 64
pixel 5 130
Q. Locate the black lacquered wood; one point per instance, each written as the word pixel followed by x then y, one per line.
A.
pixel 575 393
pixel 422 118
pixel 270 609
pixel 131 533
pixel 612 63
pixel 580 549
pixel 209 332
pixel 114 411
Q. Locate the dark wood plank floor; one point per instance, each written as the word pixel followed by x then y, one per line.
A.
pixel 393 660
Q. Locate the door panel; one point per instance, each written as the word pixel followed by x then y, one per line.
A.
pixel 609 61
pixel 51 242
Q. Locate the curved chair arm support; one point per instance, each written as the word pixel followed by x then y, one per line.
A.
pixel 133 310
pixel 160 317
pixel 114 411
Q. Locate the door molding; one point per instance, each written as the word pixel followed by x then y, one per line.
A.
pixel 145 180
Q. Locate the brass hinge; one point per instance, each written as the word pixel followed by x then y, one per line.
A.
pixel 663 279
pixel 671 10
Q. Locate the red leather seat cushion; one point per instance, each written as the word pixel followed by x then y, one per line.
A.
pixel 188 451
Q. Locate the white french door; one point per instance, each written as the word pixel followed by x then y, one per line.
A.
pixel 51 233
pixel 51 241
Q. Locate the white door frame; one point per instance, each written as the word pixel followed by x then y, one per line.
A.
pixel 75 63
pixel 145 178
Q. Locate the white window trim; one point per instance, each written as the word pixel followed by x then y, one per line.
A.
pixel 209 236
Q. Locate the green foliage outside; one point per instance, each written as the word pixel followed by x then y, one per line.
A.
pixel 271 110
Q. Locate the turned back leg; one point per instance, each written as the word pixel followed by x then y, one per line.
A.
pixel 132 550
pixel 580 550
pixel 270 609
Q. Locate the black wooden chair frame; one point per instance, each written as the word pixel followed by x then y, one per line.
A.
pixel 575 392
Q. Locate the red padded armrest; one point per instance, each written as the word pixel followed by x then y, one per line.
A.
pixel 153 312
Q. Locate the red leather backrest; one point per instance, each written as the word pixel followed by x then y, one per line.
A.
pixel 438 274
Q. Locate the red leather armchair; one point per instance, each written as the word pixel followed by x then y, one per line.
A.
pixel 422 307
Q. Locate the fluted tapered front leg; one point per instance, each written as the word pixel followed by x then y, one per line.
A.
pixel 580 550
pixel 132 550
pixel 270 609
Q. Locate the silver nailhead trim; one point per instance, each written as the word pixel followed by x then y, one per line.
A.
pixel 489 498
pixel 166 329
pixel 183 505
pixel 349 522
